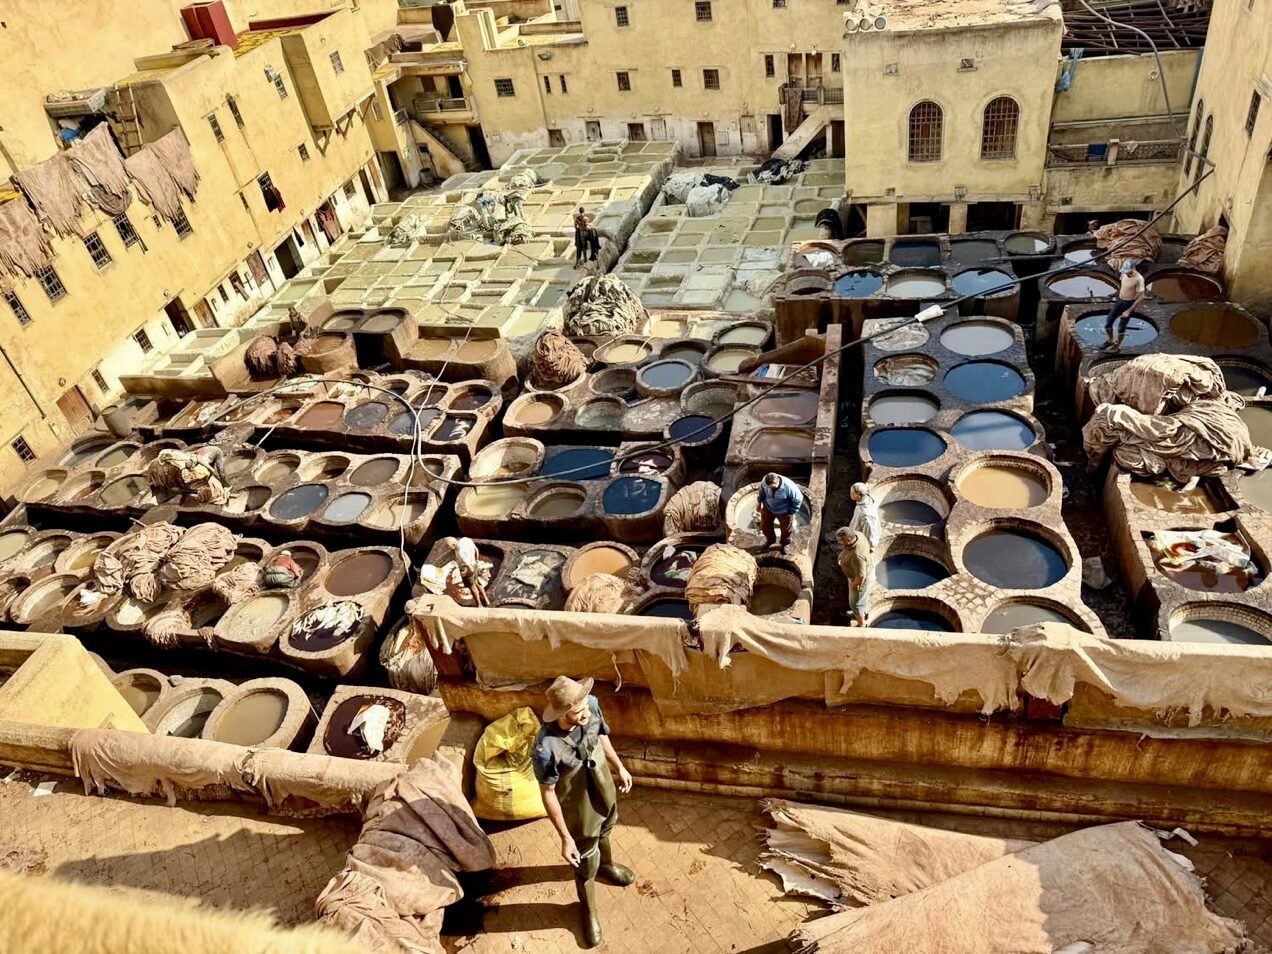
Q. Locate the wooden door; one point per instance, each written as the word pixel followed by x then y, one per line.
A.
pixel 77 411
pixel 706 139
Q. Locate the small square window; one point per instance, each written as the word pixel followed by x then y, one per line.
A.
pixel 101 257
pixel 182 224
pixel 620 16
pixel 547 85
pixel 127 234
pixel 966 63
pixel 834 62
pixel 564 87
pixel 676 79
pixel 337 64
pixel 143 341
pixel 100 382
pixel 18 309
pixel 51 283
pixel 710 79
pixel 504 87
pixel 770 68
pixel 1252 115
pixel 216 128
pixel 779 4
pixel 231 102
pixel 277 79
pixel 22 449
pixel 350 190
pixel 702 10
pixel 304 152
pixel 624 82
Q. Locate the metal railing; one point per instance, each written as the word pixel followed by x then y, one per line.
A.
pixel 428 104
pixel 821 95
pixel 1113 152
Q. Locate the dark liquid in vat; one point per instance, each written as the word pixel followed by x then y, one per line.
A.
pixel 358 573
pixel 992 430
pixel 694 428
pixel 909 513
pixel 578 463
pixel 1138 331
pixel 628 495
pixel 299 501
pixel 1014 560
pixel 366 416
pixel 905 446
pixel 985 382
pixel 909 571
pixel 858 284
pixel 342 743
pixel 915 253
pixel 670 609
pixel 913 619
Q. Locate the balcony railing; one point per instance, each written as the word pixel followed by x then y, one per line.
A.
pixel 821 95
pixel 457 104
pixel 1114 152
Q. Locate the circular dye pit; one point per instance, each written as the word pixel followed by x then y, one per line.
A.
pixel 985 382
pixel 906 338
pixel 475 352
pixel 1180 287
pixel 46 552
pixel 557 503
pixel 976 338
pixel 1171 498
pixel 728 359
pixel 909 513
pixel 973 251
pixel 693 429
pixel 404 424
pixel 366 416
pixel 339 741
pixel 398 514
pixel 688 353
pixel 45 597
pixel 299 501
pixel 358 573
pixel 1018 613
pixel 1204 630
pixel 122 491
pixel 140 690
pixel 1215 327
pixel 382 323
pixel 920 619
pixel 324 468
pixel 377 471
pixel 347 507
pixel 860 284
pixel 280 414
pixel 537 410
pixel 903 409
pixel 912 253
pixel 496 500
pixel 471 398
pixel 624 352
pixel 806 284
pixel 453 428
pixel 916 283
pixel 430 396
pixel 1002 487
pixel 1259 419
pixel 1257 489
pixel 631 495
pixel 647 462
pixel 786 407
pixel 905 446
pixel 909 571
pixel 325 415
pixel 780 444
pixel 863 253
pixel 1245 380
pixel 713 400
pixel 342 321
pixel 673 570
pixel 41 489
pixel 601 413
pixel 1080 254
pixel 11 543
pixel 982 281
pixel 747 335
pixel 667 609
pixel 992 430
pixel 277 470
pixel 665 375
pixel 1014 560
pixel 114 457
pixel 1139 331
pixel 906 369
pixel 186 718
pixel 578 463
pixel 599 559
pixel 253 718
pixel 254 617
pixel 1082 285
pixel 1026 243
pixel 769 598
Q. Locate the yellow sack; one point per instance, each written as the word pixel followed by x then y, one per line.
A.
pixel 506 787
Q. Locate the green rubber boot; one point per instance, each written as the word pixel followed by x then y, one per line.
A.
pixel 591 919
pixel 611 872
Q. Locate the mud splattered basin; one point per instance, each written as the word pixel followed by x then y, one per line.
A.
pixel 511 457
pixel 612 558
pixel 905 446
pixel 623 351
pixel 11 542
pixel 325 415
pixel 1090 328
pixel 43 598
pixel 1215 327
pixel 337 740
pixel 1016 613
pixel 976 338
pixel 326 467
pixel 1014 559
pixel 729 358
pixel 253 718
pixel 44 486
pixel 249 621
pixel 906 369
pixel 358 573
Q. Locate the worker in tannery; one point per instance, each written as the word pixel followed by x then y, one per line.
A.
pixel 856 562
pixel 575 764
pixel 777 503
pixel 1130 295
pixel 865 516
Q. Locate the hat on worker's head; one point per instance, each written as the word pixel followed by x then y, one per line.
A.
pixel 1128 266
pixel 563 695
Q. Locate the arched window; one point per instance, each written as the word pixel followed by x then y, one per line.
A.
pixel 927 128
pixel 998 131
pixel 1192 139
pixel 1204 152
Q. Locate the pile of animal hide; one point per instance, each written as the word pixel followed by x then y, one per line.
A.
pixel 556 361
pixel 777 171
pixel 268 358
pixel 723 574
pixel 193 476
pixel 1123 236
pixel 602 305
pixel 1163 383
pixel 162 555
pixel 693 508
pixel 599 593
pixel 1205 252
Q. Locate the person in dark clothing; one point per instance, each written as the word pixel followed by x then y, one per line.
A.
pixel 582 226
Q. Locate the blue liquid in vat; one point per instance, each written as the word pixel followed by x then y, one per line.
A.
pixel 980 281
pixel 629 495
pixel 694 428
pixel 992 430
pixel 913 619
pixel 909 513
pixel 985 382
pixel 299 501
pixel 1138 332
pixel 1014 560
pixel 909 571
pixel 905 446
pixel 578 463
pixel 858 284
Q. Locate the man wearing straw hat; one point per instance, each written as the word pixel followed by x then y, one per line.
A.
pixel 579 791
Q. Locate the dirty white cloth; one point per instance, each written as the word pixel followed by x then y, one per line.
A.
pixel 371 723
pixel 1114 886
pixel 705 200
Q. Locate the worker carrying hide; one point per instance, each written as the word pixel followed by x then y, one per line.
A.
pixel 576 765
pixel 194 477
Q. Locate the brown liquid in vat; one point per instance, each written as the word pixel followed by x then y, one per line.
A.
pixel 340 742
pixel 253 719
pixel 771 598
pixel 140 696
pixel 599 560
pixel 358 574
pixel 1002 488
pixel 1158 497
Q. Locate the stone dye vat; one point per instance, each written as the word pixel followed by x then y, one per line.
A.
pixel 263 713
pixel 1014 559
pixel 408 714
pixel 985 382
pixel 993 430
pixel 904 447
pixel 976 338
pixel 914 408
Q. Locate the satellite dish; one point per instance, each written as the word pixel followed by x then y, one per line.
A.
pixel 880 23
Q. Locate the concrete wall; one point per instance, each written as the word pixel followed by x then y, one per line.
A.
pixel 1238 60
pixel 55 682
pixel 1107 87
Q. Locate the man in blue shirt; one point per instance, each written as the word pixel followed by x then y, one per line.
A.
pixel 777 503
pixel 575 764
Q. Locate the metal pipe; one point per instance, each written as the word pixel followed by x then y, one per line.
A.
pixel 1161 70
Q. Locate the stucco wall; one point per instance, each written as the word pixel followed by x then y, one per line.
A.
pixel 1107 87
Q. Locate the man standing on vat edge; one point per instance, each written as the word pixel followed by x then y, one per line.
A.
pixel 579 791
pixel 776 504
